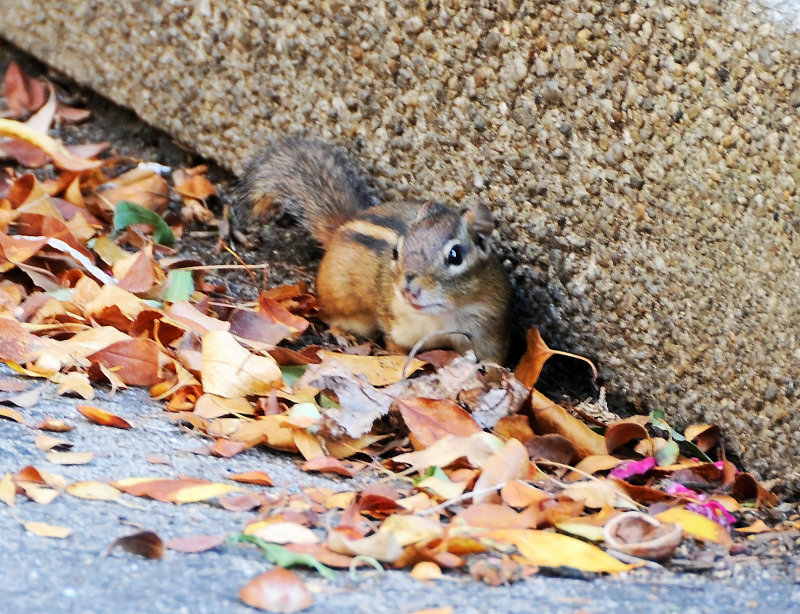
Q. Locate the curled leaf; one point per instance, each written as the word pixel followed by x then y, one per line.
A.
pixel 642 535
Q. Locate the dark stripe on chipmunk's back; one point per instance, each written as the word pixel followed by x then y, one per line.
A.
pixel 387 221
pixel 374 244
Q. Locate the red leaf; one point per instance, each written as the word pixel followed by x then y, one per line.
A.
pixel 24 94
pixel 135 360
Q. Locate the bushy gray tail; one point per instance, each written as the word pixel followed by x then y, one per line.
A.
pixel 312 179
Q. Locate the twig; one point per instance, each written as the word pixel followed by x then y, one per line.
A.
pixel 418 345
pixel 460 498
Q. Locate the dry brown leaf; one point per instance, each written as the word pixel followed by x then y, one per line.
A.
pixel 428 420
pixel 509 463
pixel 377 370
pixel 705 436
pixel 477 449
pixel 210 406
pixel 136 361
pixel 139 185
pixel 328 464
pixel 229 370
pixel 552 418
pixel 74 382
pixel 23 93
pixel 144 543
pixel 536 355
pixel 520 494
pixel 624 431
pixel 195 543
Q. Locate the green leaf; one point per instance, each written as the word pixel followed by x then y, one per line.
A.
pixel 180 286
pixel 283 557
pixel 292 373
pixel 127 213
pixel 668 455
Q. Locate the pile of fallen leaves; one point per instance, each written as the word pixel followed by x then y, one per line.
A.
pixel 470 467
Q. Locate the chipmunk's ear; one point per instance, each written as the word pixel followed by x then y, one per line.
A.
pixel 429 209
pixel 480 223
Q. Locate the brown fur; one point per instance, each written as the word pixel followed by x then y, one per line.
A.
pixel 362 288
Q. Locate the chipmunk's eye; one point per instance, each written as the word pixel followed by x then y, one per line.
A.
pixel 455 256
pixel 394 253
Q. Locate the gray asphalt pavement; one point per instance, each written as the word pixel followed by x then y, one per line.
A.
pixel 73 575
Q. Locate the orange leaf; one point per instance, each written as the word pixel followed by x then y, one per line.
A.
pixel 194 186
pixel 519 494
pixel 272 309
pixel 253 477
pixel 493 516
pixel 278 590
pixel 428 420
pixel 101 416
pixel 536 355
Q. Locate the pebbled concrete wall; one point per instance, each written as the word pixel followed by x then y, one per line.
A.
pixel 641 157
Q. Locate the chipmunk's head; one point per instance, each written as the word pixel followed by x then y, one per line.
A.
pixel 436 263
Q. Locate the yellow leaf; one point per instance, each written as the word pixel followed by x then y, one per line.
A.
pixel 229 370
pixel 96 491
pixel 47 530
pixel 62 158
pixel 210 406
pixel 340 500
pixel 696 525
pixel 193 494
pixel 409 529
pixel 378 370
pixel 7 490
pixel 74 382
pixel 426 570
pixel 444 489
pixel 11 414
pixel 381 545
pixel 282 532
pixel 69 458
pixel 546 549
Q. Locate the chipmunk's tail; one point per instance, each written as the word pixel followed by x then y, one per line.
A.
pixel 313 180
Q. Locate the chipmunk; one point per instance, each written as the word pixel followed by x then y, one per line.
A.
pixel 406 269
